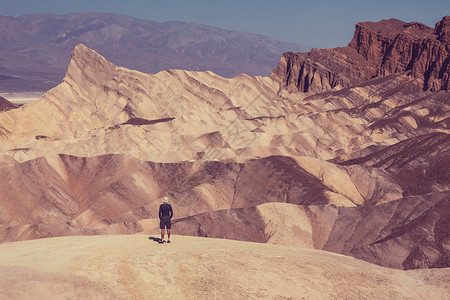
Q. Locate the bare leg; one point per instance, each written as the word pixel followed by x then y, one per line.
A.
pixel 162 233
pixel 168 233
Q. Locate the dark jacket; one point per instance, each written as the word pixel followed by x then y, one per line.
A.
pixel 165 211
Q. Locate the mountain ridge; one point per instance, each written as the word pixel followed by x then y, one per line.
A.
pixel 95 155
pixel 377 48
pixel 37 47
pixel 6 105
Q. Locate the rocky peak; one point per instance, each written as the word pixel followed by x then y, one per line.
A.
pixel 377 48
pixel 321 70
pixel 5 105
pixel 86 64
pixel 442 30
pixel 374 40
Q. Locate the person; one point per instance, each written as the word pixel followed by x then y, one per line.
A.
pixel 165 216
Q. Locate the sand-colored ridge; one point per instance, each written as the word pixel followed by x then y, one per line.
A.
pixel 296 201
pixel 357 170
pixel 135 267
pixel 92 112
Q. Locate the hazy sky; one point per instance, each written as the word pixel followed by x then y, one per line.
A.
pixel 317 23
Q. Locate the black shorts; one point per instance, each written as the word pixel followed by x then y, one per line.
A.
pixel 165 223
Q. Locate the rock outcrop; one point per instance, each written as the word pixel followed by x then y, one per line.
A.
pixel 321 70
pixel 79 193
pixel 419 165
pixel 5 105
pixel 377 48
pixel 410 233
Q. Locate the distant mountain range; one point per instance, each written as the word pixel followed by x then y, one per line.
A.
pixel 35 49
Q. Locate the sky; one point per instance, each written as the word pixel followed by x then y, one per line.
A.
pixel 315 23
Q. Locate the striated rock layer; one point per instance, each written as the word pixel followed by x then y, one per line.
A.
pixel 277 200
pixel 360 170
pixel 377 48
pixel 100 191
pixel 5 105
pixel 410 233
pixel 178 115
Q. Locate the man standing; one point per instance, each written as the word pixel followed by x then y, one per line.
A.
pixel 165 215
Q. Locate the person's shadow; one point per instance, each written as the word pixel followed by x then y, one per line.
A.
pixel 155 239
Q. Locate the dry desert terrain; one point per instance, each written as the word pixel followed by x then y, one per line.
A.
pixel 136 267
pixel 327 180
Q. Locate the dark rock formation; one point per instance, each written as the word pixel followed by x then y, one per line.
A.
pixel 244 224
pixel 277 179
pixel 442 30
pixel 141 121
pixel 321 70
pixel 104 190
pixel 377 48
pixel 410 233
pixel 407 233
pixel 419 165
pixel 5 105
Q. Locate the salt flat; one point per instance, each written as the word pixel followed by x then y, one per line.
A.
pixel 22 98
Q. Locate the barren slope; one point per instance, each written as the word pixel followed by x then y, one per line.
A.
pixel 270 200
pixel 409 233
pixel 54 195
pixel 6 105
pixel 124 267
pixel 177 115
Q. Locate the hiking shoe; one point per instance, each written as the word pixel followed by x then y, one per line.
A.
pixel 168 241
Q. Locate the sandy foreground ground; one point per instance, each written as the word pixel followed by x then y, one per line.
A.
pixel 136 267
